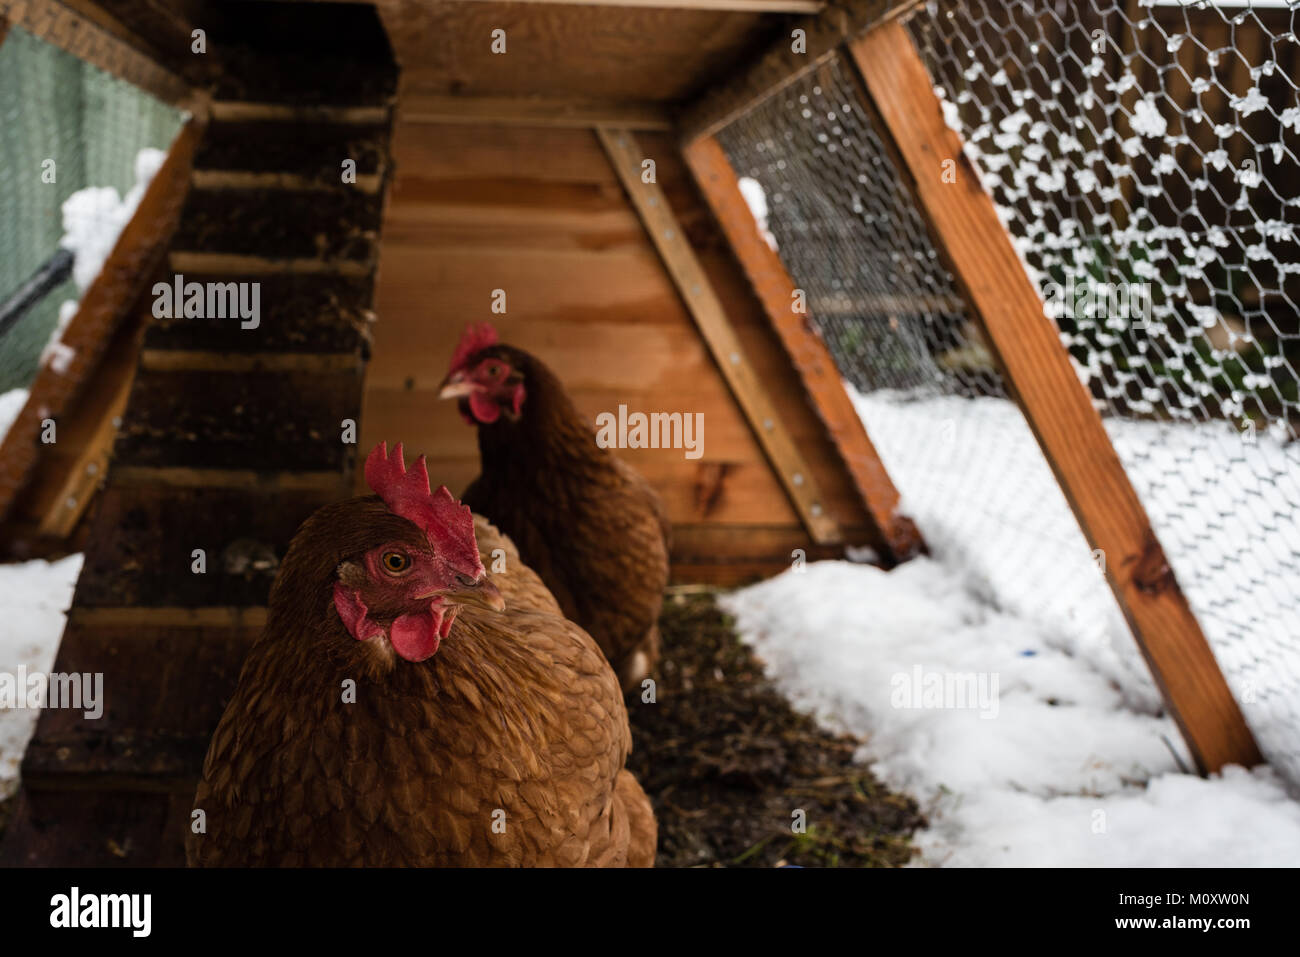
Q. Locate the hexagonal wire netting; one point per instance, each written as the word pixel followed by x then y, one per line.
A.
pixel 71 141
pixel 1143 158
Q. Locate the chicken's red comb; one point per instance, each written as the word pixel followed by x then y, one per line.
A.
pixel 448 524
pixel 474 340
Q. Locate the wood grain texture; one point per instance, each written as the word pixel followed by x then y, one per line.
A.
pixel 557 51
pixel 540 213
pixel 712 321
pixel 775 289
pixel 1057 406
pixel 422 107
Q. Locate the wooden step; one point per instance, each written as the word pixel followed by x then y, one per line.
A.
pixel 76 828
pixel 146 537
pixel 299 314
pixel 280 225
pixel 260 421
pixel 290 156
pixel 164 688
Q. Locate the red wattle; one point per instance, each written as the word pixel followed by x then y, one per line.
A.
pixel 484 409
pixel 416 637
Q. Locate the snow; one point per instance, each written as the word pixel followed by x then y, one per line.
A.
pixel 33 598
pixel 11 404
pixel 93 218
pixel 751 190
pixel 1072 762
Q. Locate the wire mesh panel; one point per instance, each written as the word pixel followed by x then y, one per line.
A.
pixel 1144 161
pixel 71 142
pixel 1152 148
pixel 825 187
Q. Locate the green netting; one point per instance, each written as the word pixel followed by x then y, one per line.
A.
pixel 92 125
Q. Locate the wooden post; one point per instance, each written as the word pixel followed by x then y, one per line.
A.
pixel 775 290
pixel 711 319
pixel 1056 404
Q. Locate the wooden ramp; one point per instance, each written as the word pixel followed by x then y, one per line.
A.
pixel 231 436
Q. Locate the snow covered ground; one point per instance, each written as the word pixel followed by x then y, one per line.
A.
pixel 1064 761
pixel 33 599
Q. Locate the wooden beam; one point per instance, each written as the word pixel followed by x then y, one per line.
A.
pixel 291 182
pixel 328 481
pixel 91 42
pixel 813 361
pixel 91 431
pixel 239 111
pixel 92 616
pixel 1056 404
pixel 236 264
pixel 711 319
pixel 138 250
pixel 725 6
pixel 783 63
pixel 417 107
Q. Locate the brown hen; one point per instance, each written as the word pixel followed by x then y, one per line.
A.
pixel 391 715
pixel 584 520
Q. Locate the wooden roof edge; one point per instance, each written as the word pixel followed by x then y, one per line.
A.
pixel 784 62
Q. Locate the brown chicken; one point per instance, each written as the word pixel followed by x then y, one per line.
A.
pixel 393 714
pixel 584 520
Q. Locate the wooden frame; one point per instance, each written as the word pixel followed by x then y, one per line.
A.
pixel 137 253
pixel 812 360
pixel 1056 404
pixel 711 319
pixel 722 6
pixel 823 36
pixel 532 111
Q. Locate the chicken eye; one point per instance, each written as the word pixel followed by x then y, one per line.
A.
pixel 395 563
pixel 494 370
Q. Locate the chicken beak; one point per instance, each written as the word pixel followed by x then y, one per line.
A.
pixel 456 386
pixel 481 593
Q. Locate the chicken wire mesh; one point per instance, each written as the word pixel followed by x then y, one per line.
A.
pixel 71 170
pixel 1149 150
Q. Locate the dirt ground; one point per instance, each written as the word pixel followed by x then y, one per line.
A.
pixel 728 763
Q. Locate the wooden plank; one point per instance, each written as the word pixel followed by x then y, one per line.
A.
pixel 423 107
pixel 251 617
pixel 89 41
pixel 193 360
pixel 134 257
pixel 253 179
pixel 1056 404
pixel 227 263
pixel 319 481
pixel 100 410
pixel 239 111
pixel 711 319
pixel 782 64
pixel 561 51
pixel 812 360
pixel 728 6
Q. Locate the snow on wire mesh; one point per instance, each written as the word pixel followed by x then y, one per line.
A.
pixel 1155 145
pixel 1149 151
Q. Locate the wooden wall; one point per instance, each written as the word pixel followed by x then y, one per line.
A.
pixel 539 213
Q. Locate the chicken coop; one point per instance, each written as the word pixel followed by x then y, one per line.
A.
pixel 883 251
